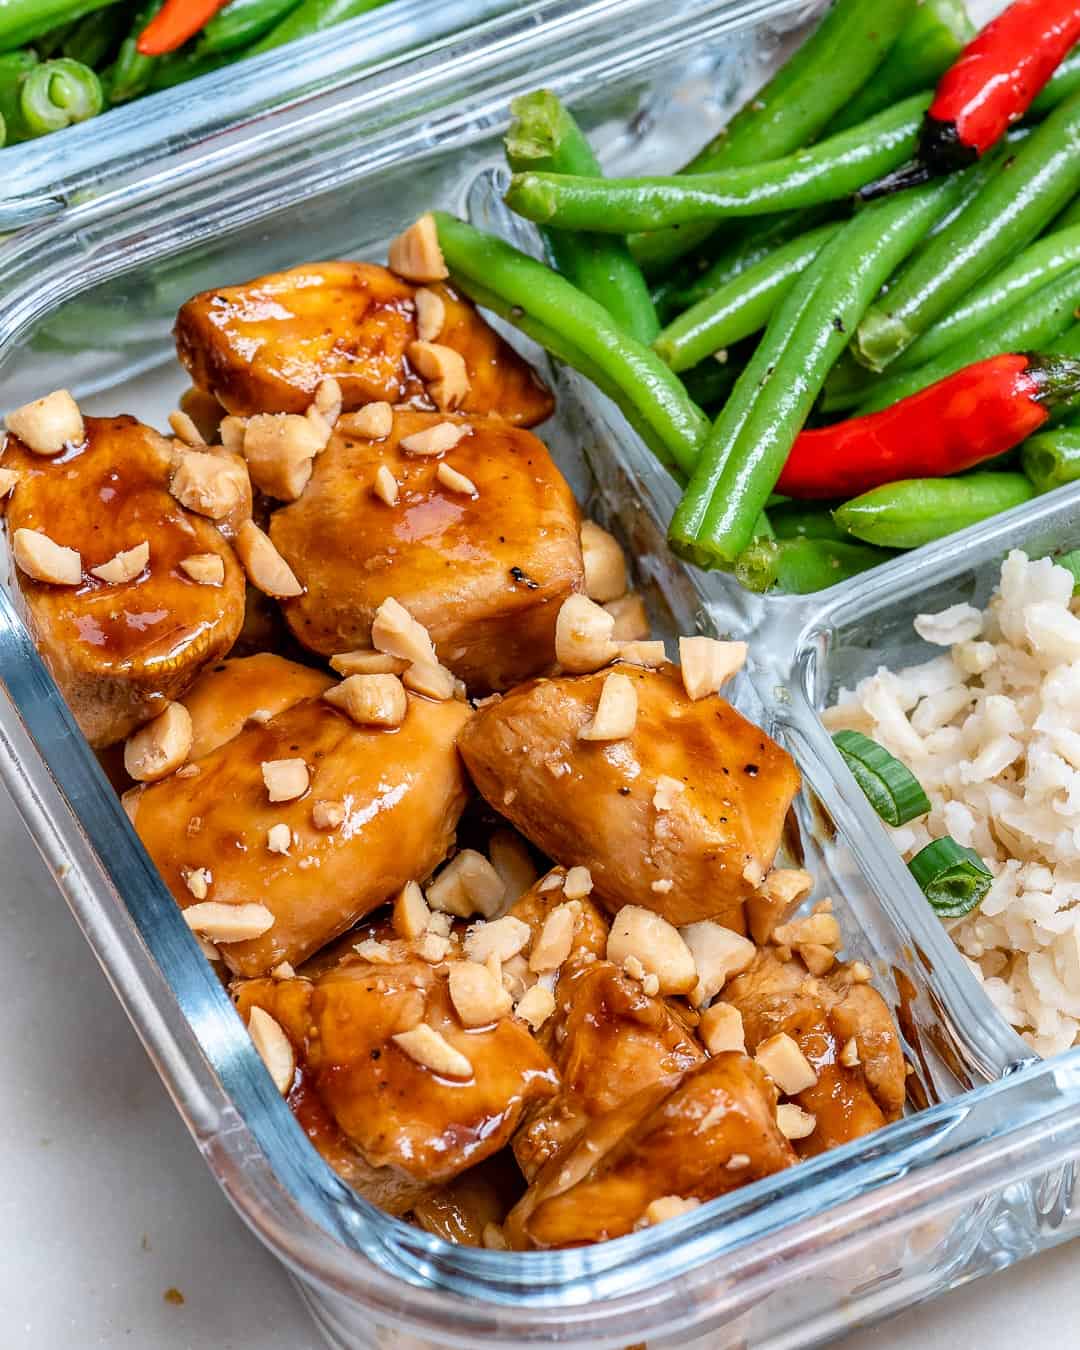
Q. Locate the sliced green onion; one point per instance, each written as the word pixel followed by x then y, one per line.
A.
pixel 891 788
pixel 1071 563
pixel 953 878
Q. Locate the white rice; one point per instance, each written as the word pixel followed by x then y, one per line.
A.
pixel 991 728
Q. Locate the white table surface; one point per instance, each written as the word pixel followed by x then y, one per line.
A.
pixel 106 1204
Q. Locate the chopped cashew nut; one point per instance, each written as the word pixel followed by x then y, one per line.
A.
pixel 279 838
pixel 430 314
pixel 793 1122
pixel 649 654
pixel 208 569
pixel 184 427
pixel 280 450
pixel 453 481
pixel 605 564
pixel 512 860
pixel 821 929
pixel 467 885
pixel 328 400
pixel 208 484
pixel 785 1063
pixel 197 882
pixel 431 680
pixel 160 746
pixel 667 793
pixel 385 486
pixel 776 897
pixel 375 421
pixel 222 923
pixel 631 618
pixel 8 479
pixel 48 424
pixel 577 883
pixel 410 914
pixel 535 1006
pixel 718 954
pixel 436 440
pixel 616 711
pixel 367 661
pixel 274 1047
pixel 415 254
pixel 396 632
pixel 443 370
pixel 849 1056
pixel 123 566
pixel 327 815
pixel 707 664
pixel 45 560
pixel 285 779
pixel 668 1207
pixel 431 1050
pixel 370 700
pixel 556 939
pixel 478 997
pixel 266 569
pixel 583 636
pixel 505 937
pixel 657 944
pixel 721 1028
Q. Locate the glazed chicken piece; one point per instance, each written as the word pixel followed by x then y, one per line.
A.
pixel 694 1137
pixel 473 1205
pixel 485 571
pixel 379 809
pixel 689 852
pixel 121 649
pixel 824 1015
pixel 266 345
pixel 242 690
pixel 396 1105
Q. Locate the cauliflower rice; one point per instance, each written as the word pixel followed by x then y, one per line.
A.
pixel 991 729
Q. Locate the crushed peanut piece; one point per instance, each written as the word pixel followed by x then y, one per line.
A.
pixel 208 484
pixel 430 314
pixel 328 400
pixel 223 923
pixel 279 838
pixel 436 440
pixel 583 636
pixel 431 1050
pixel 552 880
pixel 668 1207
pixel 478 997
pixel 782 1059
pixel 605 564
pixel 556 938
pixel 535 1006
pixel 860 972
pixel 506 937
pixel 207 948
pixel 410 914
pixel 280 450
pixel 197 880
pixel 415 254
pixel 494 1239
pixel 378 953
pixel 8 479
pixel 48 424
pixel 616 711
pixel 454 481
pixel 430 680
pixel 45 560
pixel 577 883
pixel 208 569
pixel 817 959
pixel 327 815
pixel 793 1122
pixel 385 486
pixel 667 792
pixel 631 618
pixel 753 873
pixel 283 971
pixel 274 1047
pixel 512 860
pixel 780 892
pixel 651 655
pixel 818 928
pixel 467 885
pixel 184 427
pixel 718 954
pixel 266 569
pixel 374 421
pixel 849 1055
pixel 737 1161
pixel 396 632
pixel 285 779
pixel 443 924
pixel 707 664
pixel 367 661
pixel 370 700
pixel 432 947
pixel 721 1028
pixel 160 746
pixel 443 370
pixel 123 566
pixel 657 944
pixel 231 434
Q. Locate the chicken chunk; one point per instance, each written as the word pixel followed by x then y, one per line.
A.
pixel 229 695
pixel 683 816
pixel 484 572
pixel 822 1015
pixel 120 649
pixel 395 1110
pixel 466 1210
pixel 694 1136
pixel 266 345
pixel 379 810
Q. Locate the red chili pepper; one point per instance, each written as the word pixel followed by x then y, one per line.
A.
pixel 174 23
pixel 970 416
pixel 989 86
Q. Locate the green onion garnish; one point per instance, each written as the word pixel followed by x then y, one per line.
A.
pixel 891 788
pixel 953 878
pixel 1071 563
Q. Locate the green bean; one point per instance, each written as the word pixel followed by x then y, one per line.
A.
pixel 21 21
pixel 1052 458
pixel 805 520
pixel 710 382
pixel 917 511
pixel 802 566
pixel 519 288
pixel 130 74
pixel 1067 219
pixel 792 108
pixel 544 135
pixel 241 23
pixel 14 68
pixel 313 16
pixel 751 439
pixel 1030 326
pixel 742 306
pixel 180 66
pixel 93 39
pixel 928 44
pixel 57 94
pixel 1064 82
pixel 1030 188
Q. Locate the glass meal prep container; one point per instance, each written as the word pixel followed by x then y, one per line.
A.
pixel 979 1177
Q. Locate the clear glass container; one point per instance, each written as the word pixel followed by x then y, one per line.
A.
pixel 980 1177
